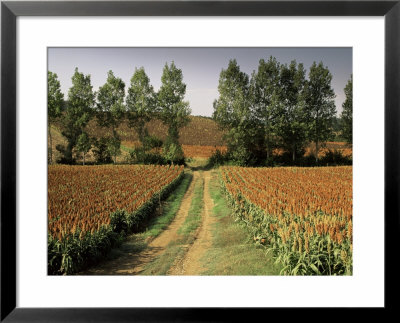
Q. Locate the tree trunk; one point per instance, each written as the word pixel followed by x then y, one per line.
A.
pixel 115 151
pixel 141 134
pixel 294 153
pixel 68 152
pixel 84 158
pixel 51 146
pixel 316 138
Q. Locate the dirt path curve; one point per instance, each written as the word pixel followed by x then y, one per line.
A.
pixel 133 263
pixel 191 264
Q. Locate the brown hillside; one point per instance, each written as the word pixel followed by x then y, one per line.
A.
pixel 200 131
pixel 199 138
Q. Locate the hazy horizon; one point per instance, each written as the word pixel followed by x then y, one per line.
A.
pixel 201 66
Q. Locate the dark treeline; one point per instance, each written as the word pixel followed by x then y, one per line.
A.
pixel 109 107
pixel 279 107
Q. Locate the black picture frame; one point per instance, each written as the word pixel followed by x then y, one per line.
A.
pixel 10 10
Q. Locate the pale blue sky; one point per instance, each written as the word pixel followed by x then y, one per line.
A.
pixel 201 66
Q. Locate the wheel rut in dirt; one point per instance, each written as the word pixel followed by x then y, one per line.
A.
pixel 191 263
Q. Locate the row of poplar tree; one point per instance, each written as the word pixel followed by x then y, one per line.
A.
pixel 278 107
pixel 110 107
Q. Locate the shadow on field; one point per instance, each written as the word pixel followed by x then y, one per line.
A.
pixel 198 164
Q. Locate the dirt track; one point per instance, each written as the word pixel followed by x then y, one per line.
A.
pixel 133 263
pixel 191 264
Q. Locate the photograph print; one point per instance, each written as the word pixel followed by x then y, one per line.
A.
pixel 200 161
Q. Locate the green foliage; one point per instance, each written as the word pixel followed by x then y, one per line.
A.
pixel 278 108
pixel 118 222
pixel 77 114
pixel 172 151
pixel 110 102
pixel 334 157
pixel 105 148
pixel 337 129
pixel 264 86
pixel 148 153
pixel 62 150
pixel 141 156
pixel 78 250
pixel 55 98
pixel 289 105
pixel 80 100
pixel 55 103
pixel 83 144
pixel 114 145
pixel 320 105
pixel 232 108
pixel 151 142
pixel 286 158
pixel 110 110
pixel 232 111
pixel 101 151
pixel 347 113
pixel 141 103
pixel 337 124
pixel 218 158
pixel 174 111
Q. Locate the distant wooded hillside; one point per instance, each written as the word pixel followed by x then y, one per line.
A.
pixel 201 131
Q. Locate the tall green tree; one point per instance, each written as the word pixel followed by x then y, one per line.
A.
pixel 110 109
pixel 263 85
pixel 141 103
pixel 337 126
pixel 347 113
pixel 232 106
pixel 232 111
pixel 83 145
pixel 78 113
pixel 320 105
pixel 55 102
pixel 288 102
pixel 174 111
